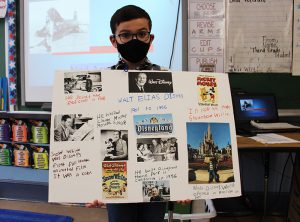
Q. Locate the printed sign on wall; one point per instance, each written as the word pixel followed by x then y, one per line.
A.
pixel 259 36
pixel 206 34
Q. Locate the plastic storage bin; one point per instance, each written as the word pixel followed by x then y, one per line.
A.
pixel 202 211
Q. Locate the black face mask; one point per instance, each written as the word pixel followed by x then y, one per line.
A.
pixel 134 50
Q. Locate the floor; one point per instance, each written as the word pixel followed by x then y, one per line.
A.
pixel 82 214
pixel 79 213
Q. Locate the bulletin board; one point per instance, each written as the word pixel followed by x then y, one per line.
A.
pixel 259 36
pixel 206 34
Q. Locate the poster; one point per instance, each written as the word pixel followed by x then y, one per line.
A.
pixel 142 136
pixel 259 36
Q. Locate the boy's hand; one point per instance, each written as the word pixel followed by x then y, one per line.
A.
pixel 184 201
pixel 95 203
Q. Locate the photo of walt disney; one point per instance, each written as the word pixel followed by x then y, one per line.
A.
pixel 154 191
pixel 114 145
pixel 157 149
pixel 150 82
pixel 73 127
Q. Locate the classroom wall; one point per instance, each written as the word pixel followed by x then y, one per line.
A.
pixel 2 47
pixel 285 86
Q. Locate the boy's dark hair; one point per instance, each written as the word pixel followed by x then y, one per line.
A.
pixel 65 117
pixel 119 132
pixel 127 13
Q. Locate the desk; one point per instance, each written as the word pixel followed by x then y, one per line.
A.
pixel 248 144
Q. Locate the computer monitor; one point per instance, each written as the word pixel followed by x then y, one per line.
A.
pixel 258 107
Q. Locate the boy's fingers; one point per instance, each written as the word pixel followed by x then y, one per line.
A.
pixel 95 203
pixel 89 205
pixel 184 201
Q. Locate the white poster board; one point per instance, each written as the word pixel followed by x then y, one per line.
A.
pixel 178 136
pixel 259 36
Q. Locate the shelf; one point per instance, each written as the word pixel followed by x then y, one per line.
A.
pixel 23 183
pixel 15 180
pixel 23 175
pixel 36 115
pixel 28 115
pixel 27 143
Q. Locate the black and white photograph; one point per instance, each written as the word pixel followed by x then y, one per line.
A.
pixel 154 191
pixel 64 28
pixel 157 149
pixel 114 145
pixel 150 82
pixel 73 127
pixel 81 82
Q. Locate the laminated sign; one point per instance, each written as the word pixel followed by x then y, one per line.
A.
pixel 39 134
pixel 19 133
pixel 5 155
pixel 21 157
pixel 170 137
pixel 4 132
pixel 40 160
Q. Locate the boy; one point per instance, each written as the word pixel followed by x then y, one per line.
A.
pixel 131 28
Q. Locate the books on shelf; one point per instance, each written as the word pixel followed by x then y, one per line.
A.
pixel 3 94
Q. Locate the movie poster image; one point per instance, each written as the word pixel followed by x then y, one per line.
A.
pixel 153 124
pixel 209 153
pixel 150 82
pixel 154 191
pixel 114 144
pixel 157 149
pixel 82 82
pixel 208 90
pixel 114 180
pixel 73 127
